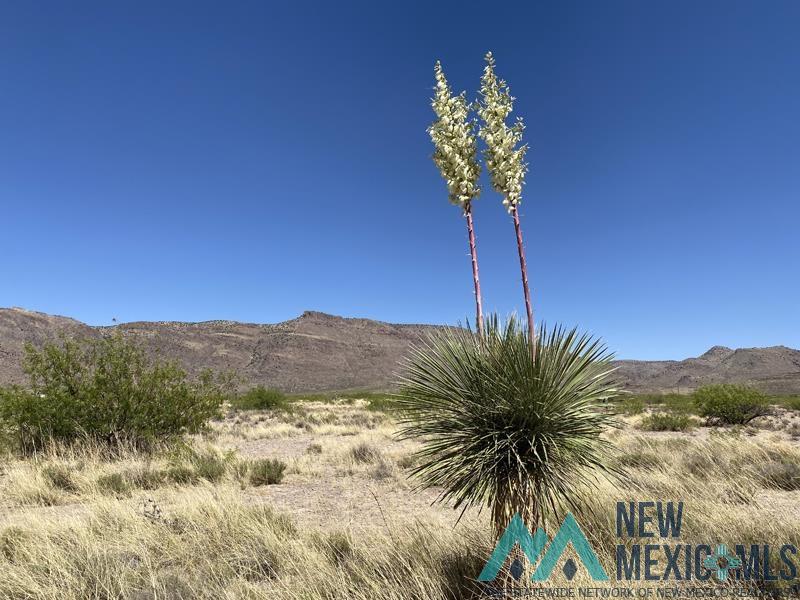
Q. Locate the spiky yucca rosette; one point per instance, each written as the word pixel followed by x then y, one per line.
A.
pixel 504 432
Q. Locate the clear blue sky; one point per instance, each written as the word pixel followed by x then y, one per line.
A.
pixel 249 160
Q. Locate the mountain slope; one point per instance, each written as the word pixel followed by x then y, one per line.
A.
pixel 775 370
pixel 316 352
pixel 311 353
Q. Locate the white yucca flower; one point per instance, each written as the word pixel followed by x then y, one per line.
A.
pixel 453 135
pixel 456 155
pixel 505 161
pixel 505 158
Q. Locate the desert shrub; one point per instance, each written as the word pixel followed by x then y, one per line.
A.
pixel 365 453
pixel 266 471
pixel 663 421
pixel 113 483
pixel 728 404
pixel 261 398
pixel 106 391
pixel 59 476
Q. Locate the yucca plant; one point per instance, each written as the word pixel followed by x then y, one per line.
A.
pixel 505 161
pixel 453 136
pixel 501 431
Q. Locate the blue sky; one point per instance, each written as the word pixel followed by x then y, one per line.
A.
pixel 249 160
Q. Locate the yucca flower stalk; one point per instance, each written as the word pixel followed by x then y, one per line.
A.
pixel 501 431
pixel 505 161
pixel 453 135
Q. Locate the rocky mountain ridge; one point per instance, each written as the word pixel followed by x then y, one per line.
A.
pixel 317 352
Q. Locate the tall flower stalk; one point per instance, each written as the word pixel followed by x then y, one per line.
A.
pixel 505 161
pixel 453 135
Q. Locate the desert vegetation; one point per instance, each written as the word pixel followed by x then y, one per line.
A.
pixel 712 405
pixel 317 503
pixel 507 420
pixel 313 496
pixel 502 430
pixel 105 391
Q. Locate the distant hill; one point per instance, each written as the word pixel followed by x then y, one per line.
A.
pixel 775 370
pixel 317 352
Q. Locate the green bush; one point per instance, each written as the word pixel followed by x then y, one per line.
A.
pixel 108 391
pixel 727 404
pixel 266 471
pixel 261 398
pixel 661 421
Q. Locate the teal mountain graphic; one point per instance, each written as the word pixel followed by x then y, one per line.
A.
pixel 533 546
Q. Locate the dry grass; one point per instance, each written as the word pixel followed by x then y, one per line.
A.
pixel 344 522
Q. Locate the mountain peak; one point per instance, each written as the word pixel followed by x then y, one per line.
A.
pixel 717 352
pixel 316 315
